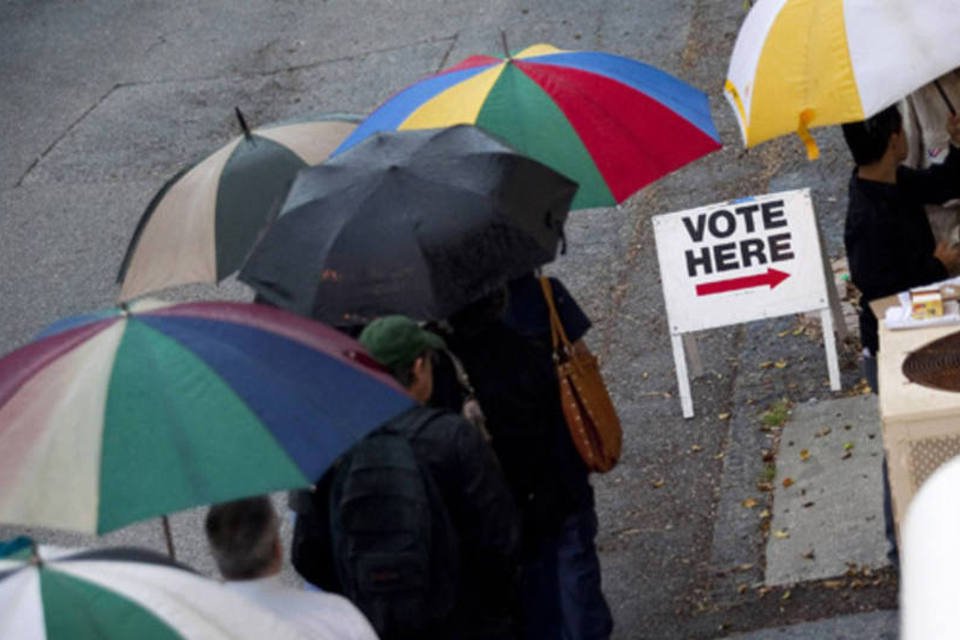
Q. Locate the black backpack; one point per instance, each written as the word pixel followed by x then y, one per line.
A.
pixel 394 548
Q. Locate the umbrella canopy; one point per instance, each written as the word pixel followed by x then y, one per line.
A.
pixel 119 593
pixel 609 123
pixel 414 222
pixel 810 63
pixel 123 415
pixel 200 226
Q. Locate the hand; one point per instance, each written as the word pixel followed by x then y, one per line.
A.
pixel 953 128
pixel 949 255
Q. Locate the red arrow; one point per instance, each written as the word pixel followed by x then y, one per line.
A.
pixel 772 277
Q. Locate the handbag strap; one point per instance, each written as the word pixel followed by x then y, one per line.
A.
pixel 557 334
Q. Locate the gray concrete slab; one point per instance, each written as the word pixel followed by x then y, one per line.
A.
pixel 831 514
pixel 875 625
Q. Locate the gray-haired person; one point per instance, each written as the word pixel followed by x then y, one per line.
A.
pixel 244 537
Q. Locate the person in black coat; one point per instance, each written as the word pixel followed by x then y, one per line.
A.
pixel 504 344
pixel 468 477
pixel 889 244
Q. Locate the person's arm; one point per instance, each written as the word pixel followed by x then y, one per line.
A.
pixel 939 183
pixel 882 264
pixel 487 505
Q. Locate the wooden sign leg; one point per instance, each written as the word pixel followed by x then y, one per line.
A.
pixel 830 346
pixel 683 380
pixel 693 354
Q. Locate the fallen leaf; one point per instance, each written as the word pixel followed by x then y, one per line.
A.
pixel 786 595
pixel 798 330
pixel 695 448
pixel 824 431
pixel 764 486
pixel 746 566
pixel 784 333
pixel 787 483
pixel 767 455
pixel 658 483
pixel 765 513
pixel 766 364
pixel 742 588
pixel 833 584
pixel 847 446
pixel 749 503
pixel 781 534
pixel 804 455
pixel 780 364
pixel 846 455
pixel 807 505
pixel 809 555
pixel 723 416
pixel 719 456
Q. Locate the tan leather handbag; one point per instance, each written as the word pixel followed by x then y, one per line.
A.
pixel 590 415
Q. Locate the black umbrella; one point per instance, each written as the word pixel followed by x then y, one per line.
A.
pixel 415 222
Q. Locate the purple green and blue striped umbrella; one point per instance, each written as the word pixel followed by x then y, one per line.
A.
pixel 132 413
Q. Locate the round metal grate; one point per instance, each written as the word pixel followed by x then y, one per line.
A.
pixel 936 364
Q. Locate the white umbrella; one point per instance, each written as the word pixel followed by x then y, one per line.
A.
pixel 120 593
pixel 799 64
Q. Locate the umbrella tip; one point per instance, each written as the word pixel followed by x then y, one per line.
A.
pixel 243 124
pixel 503 41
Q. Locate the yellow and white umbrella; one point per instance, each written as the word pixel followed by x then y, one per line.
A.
pixel 799 64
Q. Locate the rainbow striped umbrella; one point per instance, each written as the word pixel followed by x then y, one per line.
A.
pixel 127 414
pixel 120 593
pixel 799 64
pixel 609 123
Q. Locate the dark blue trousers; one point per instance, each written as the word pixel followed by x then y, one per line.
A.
pixel 561 592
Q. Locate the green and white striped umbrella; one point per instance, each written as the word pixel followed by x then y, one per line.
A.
pixel 202 223
pixel 120 593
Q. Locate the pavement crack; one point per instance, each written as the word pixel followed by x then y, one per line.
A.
pixel 56 141
pixel 293 67
pixel 446 54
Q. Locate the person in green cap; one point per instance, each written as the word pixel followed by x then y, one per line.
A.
pixel 474 498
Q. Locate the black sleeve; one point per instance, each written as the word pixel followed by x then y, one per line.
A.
pixel 934 185
pixel 311 548
pixel 487 505
pixel 883 264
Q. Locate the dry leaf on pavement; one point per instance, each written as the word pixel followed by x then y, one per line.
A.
pixel 749 503
pixel 787 483
pixel 804 455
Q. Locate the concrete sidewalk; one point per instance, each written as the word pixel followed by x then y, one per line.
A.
pixel 828 493
pixel 876 625
pixel 827 514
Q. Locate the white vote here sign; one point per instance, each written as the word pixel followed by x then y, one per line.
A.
pixel 741 260
pixel 738 261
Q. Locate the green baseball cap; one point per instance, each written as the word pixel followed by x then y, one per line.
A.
pixel 396 341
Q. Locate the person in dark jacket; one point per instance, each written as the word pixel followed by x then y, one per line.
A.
pixel 889 244
pixel 503 341
pixel 469 479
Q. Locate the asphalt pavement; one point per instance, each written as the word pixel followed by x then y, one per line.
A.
pixel 700 537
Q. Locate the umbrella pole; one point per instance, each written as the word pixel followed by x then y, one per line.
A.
pixel 168 535
pixel 243 124
pixel 943 94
